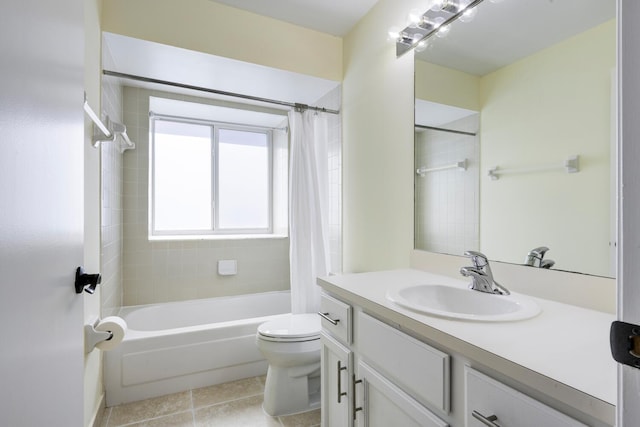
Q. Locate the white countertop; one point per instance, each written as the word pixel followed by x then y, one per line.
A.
pixel 565 343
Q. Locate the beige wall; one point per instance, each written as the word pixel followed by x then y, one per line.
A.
pixel 210 27
pixel 447 86
pixel 377 143
pixel 539 111
pixel 93 384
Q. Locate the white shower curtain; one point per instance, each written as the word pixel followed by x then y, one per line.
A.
pixel 308 208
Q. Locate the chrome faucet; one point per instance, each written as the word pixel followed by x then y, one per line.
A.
pixel 535 258
pixel 481 275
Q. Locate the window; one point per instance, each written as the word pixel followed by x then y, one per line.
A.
pixel 210 178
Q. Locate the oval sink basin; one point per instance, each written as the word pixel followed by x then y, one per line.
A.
pixel 467 304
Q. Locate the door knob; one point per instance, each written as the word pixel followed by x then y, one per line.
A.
pixel 86 282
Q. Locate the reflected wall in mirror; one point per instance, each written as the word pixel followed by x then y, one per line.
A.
pixel 534 95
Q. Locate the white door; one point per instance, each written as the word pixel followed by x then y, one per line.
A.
pixel 41 212
pixel 336 362
pixel 628 409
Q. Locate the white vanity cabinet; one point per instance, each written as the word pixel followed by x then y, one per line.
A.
pixel 491 403
pixel 383 377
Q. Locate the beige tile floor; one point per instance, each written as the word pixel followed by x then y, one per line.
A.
pixel 233 404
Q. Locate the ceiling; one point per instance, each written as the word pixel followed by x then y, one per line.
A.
pixel 505 32
pixel 335 17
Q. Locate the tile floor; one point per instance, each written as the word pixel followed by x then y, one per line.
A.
pixel 233 404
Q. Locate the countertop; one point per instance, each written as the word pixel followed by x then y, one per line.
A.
pixel 564 345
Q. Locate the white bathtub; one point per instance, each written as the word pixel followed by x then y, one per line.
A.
pixel 178 346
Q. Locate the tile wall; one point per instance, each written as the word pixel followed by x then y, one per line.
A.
pixel 162 271
pixel 447 201
pixel 111 204
pixel 332 100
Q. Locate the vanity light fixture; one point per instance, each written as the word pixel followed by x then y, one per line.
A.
pixel 435 21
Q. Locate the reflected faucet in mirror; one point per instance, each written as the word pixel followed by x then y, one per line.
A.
pixel 481 275
pixel 535 258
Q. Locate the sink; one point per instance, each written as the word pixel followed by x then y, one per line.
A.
pixel 461 303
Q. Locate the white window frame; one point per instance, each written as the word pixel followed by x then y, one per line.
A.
pixel 216 230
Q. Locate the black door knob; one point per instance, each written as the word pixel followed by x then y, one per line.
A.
pixel 86 282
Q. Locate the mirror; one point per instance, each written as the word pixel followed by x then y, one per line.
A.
pixel 528 87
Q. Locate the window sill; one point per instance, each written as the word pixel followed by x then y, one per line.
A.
pixel 217 237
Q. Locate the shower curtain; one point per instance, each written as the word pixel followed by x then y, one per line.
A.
pixel 308 208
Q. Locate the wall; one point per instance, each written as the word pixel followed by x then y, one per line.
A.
pixel 210 27
pixel 112 198
pixel 447 202
pixel 332 100
pixel 377 109
pixel 539 111
pixel 446 86
pixel 93 382
pixel 161 271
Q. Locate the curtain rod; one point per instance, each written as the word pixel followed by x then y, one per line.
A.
pixel 295 105
pixel 445 130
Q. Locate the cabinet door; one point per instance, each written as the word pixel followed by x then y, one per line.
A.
pixel 337 371
pixel 382 404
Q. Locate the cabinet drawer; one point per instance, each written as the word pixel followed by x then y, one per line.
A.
pixel 417 368
pixel 336 318
pixel 490 398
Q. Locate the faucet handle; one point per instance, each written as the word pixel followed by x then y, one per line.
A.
pixel 479 259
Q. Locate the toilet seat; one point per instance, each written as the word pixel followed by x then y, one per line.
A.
pixel 292 328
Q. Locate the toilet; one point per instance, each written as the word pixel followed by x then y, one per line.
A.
pixel 291 346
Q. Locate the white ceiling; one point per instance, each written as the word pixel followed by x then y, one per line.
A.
pixel 335 17
pixel 504 32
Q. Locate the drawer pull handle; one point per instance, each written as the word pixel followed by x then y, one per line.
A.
pixel 326 317
pixel 340 392
pixel 355 407
pixel 488 421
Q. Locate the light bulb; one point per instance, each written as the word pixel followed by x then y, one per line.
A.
pixel 469 14
pixel 415 17
pixel 417 37
pixel 437 5
pixel 443 31
pixel 437 21
pixel 422 46
pixel 394 33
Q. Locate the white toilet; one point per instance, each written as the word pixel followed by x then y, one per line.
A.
pixel 291 346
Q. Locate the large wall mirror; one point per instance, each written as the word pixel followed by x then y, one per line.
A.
pixel 525 90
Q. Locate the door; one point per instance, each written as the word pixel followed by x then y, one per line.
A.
pixel 628 410
pixel 41 212
pixel 337 370
pixel 382 404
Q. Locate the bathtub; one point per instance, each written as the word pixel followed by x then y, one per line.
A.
pixel 178 346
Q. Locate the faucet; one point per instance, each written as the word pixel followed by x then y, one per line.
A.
pixel 535 258
pixel 481 275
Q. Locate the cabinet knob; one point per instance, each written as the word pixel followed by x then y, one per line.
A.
pixel 488 421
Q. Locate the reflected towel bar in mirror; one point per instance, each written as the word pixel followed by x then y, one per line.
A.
pixel 571 165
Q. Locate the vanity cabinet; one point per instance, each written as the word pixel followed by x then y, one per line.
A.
pixel 374 374
pixel 381 377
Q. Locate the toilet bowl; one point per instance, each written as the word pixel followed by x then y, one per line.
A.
pixel 291 346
